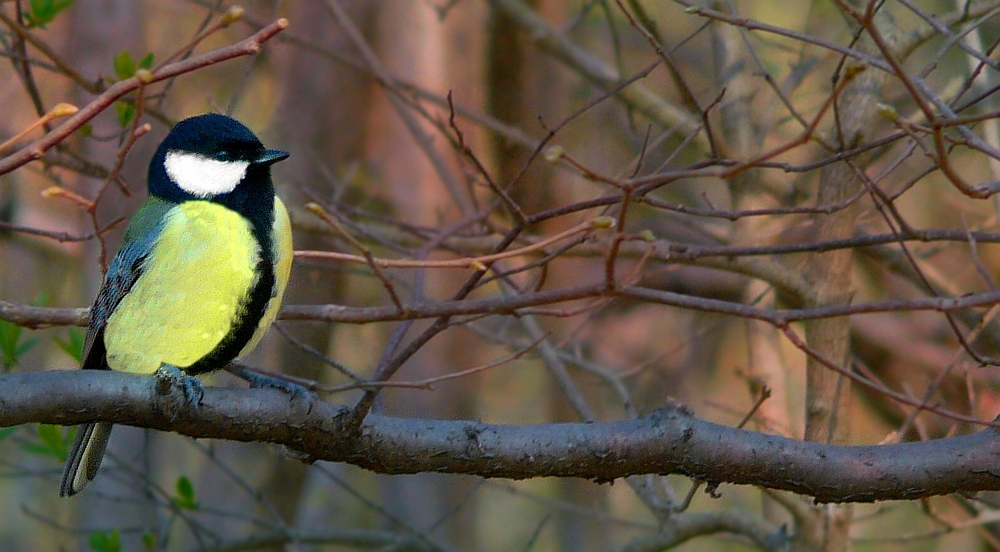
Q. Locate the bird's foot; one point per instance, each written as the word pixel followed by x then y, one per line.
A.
pixel 294 390
pixel 172 376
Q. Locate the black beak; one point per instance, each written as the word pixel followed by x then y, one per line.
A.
pixel 270 157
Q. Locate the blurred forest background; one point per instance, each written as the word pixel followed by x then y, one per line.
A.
pixel 732 142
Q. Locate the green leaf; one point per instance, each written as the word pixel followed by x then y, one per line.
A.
pixel 44 11
pixel 125 112
pixel 51 443
pixel 67 439
pixel 6 432
pixel 148 541
pixel 11 346
pixel 9 337
pixel 147 61
pixel 41 12
pixel 185 494
pixel 52 436
pixel 26 346
pixel 124 65
pixel 73 344
pixel 105 541
pixel 43 299
pixel 35 448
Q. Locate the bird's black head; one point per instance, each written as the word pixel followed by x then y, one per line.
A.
pixel 212 157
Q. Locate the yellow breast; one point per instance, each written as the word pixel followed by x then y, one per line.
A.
pixel 190 293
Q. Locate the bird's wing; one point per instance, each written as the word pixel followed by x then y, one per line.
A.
pixel 125 269
pixel 92 439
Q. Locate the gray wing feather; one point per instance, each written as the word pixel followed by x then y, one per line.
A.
pixel 125 269
pixel 92 439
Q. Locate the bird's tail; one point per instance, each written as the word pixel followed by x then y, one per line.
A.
pixel 85 457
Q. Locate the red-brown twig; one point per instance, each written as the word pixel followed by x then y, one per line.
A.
pixel 60 110
pixel 35 150
pixel 478 263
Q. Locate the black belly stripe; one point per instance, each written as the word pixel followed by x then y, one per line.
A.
pixel 252 309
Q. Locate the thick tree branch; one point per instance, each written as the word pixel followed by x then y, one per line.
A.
pixel 668 441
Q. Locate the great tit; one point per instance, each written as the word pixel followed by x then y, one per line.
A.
pixel 200 275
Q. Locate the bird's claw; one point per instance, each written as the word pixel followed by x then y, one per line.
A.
pixel 295 390
pixel 190 386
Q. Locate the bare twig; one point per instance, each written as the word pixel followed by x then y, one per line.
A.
pixel 37 149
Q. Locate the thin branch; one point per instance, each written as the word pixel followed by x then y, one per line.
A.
pixel 35 150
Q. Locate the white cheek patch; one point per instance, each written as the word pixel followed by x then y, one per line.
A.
pixel 203 176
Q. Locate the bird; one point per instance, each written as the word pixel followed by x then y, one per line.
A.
pixel 200 274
